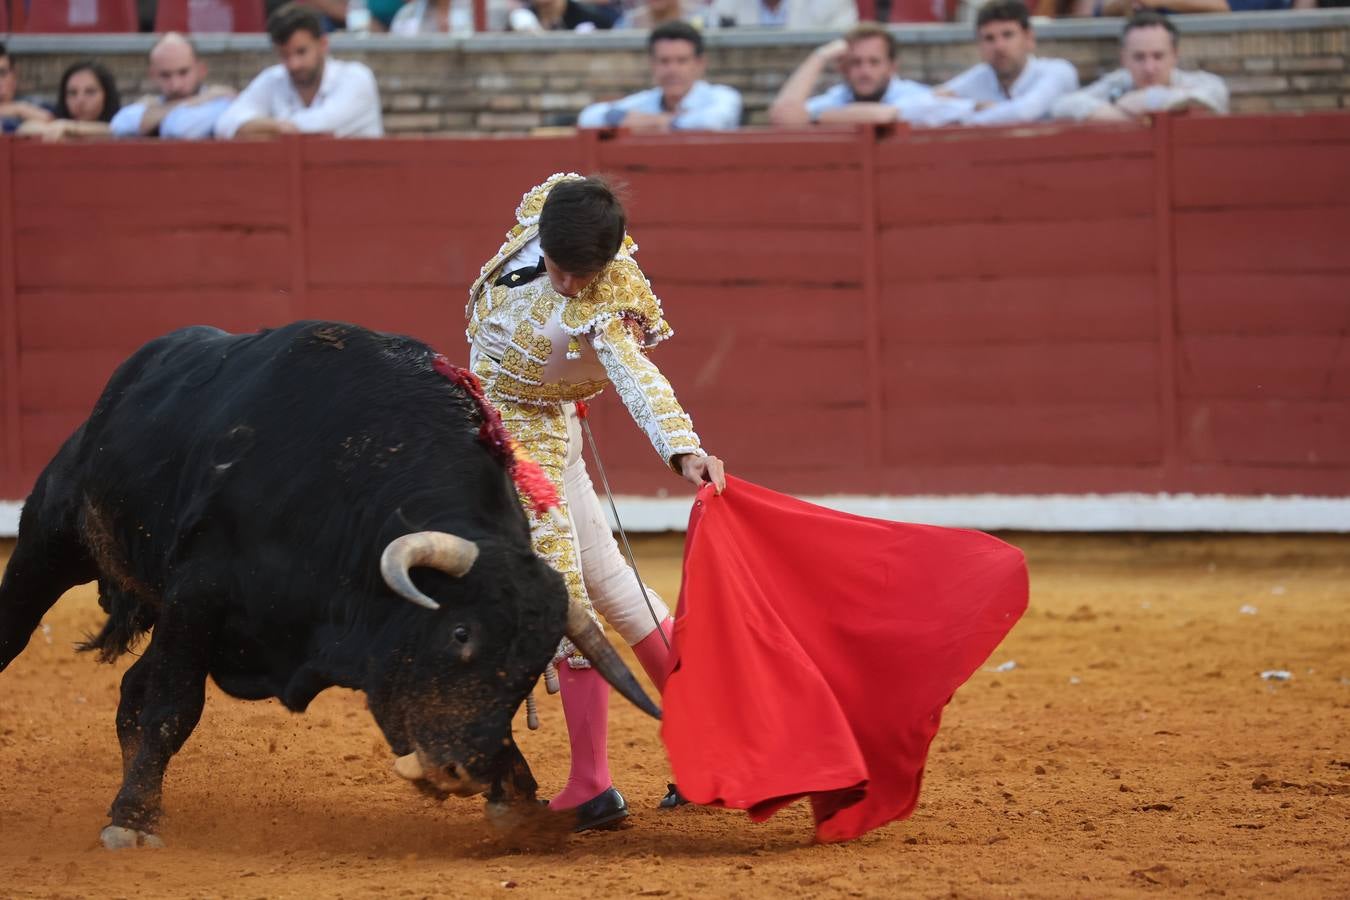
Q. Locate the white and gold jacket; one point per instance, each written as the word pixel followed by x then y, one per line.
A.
pixel 535 350
pixel 534 347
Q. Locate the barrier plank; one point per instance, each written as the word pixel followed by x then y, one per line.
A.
pixel 85 257
pixel 1021 308
pixel 64 320
pixel 1271 240
pixel 1270 174
pixel 749 198
pixel 1044 432
pixel 1018 191
pixel 1266 367
pixel 1308 433
pixel 991 249
pixel 193 194
pixel 448 256
pixel 969 378
pixel 1253 302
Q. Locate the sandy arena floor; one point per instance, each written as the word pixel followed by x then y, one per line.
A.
pixel 1134 749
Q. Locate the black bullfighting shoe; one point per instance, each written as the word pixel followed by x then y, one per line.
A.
pixel 604 810
pixel 673 798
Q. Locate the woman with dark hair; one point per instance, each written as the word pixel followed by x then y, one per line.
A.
pixel 85 104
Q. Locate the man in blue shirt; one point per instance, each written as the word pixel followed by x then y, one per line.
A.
pixel 13 111
pixel 681 100
pixel 1011 84
pixel 871 90
pixel 185 107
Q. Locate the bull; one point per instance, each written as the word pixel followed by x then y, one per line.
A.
pixel 287 511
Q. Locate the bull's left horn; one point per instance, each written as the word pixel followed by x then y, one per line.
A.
pixel 583 632
pixel 434 549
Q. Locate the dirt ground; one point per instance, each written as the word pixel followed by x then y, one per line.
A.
pixel 1133 749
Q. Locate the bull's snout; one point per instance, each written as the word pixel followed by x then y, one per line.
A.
pixel 451 777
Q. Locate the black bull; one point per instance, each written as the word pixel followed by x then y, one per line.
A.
pixel 236 494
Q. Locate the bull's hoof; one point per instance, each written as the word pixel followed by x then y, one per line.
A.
pixel 115 837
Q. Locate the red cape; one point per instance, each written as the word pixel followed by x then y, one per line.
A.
pixel 814 652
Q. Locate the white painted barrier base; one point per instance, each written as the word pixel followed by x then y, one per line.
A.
pixel 1054 512
pixel 1047 512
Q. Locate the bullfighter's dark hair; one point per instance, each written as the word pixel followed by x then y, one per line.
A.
pixel 582 225
pixel 1003 11
pixel 676 31
pixel 3 52
pixel 864 30
pixel 112 100
pixel 289 18
pixel 1150 19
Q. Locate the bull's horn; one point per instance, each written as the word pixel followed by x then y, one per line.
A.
pixel 583 632
pixel 434 549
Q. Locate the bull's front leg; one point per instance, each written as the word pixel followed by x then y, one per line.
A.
pixel 162 699
pixel 512 799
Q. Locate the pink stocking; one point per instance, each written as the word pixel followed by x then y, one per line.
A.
pixel 652 652
pixel 585 700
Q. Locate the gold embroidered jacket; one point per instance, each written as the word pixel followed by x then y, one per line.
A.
pixel 535 350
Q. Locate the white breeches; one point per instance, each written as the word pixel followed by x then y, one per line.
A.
pixel 610 581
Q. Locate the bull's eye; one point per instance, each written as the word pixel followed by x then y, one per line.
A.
pixel 461 634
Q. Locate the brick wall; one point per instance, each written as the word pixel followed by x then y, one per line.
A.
pixel 510 84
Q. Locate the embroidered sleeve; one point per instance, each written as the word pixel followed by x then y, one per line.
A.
pixel 619 291
pixel 645 391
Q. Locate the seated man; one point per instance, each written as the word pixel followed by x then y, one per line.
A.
pixel 13 111
pixel 307 91
pixel 658 12
pixel 185 107
pixel 681 100
pixel 799 15
pixel 563 15
pixel 1148 80
pixel 871 90
pixel 1011 85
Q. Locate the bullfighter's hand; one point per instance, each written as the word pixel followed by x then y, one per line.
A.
pixel 698 469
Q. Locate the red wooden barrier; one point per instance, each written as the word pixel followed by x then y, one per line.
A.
pixel 1085 310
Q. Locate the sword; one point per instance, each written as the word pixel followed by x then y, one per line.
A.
pixel 582 415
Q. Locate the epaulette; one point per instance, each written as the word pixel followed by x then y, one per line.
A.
pixel 524 275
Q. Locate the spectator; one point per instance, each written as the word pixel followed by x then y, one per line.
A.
pixel 871 90
pixel 13 111
pixel 1148 82
pixel 818 15
pixel 659 12
pixel 1012 84
pixel 85 104
pixel 307 91
pixel 442 16
pixel 185 108
pixel 1128 7
pixel 563 15
pixel 681 100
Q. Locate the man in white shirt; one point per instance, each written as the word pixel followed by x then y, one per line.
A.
pixel 1011 84
pixel 1148 80
pixel 871 90
pixel 307 91
pixel 796 15
pixel 186 109
pixel 681 100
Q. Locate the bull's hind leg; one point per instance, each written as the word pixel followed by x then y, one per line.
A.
pixel 162 699
pixel 48 560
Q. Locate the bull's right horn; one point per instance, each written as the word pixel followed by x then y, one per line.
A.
pixel 434 549
pixel 582 631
